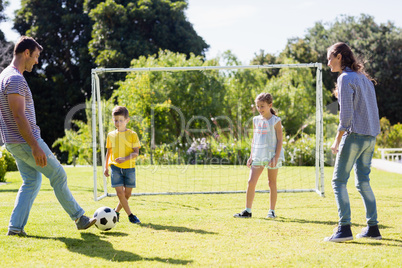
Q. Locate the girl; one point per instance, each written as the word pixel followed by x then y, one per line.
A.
pixel 266 151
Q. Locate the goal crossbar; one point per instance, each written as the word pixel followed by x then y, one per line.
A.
pixel 97 109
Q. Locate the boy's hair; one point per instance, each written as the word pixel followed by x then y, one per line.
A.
pixel 26 42
pixel 120 110
pixel 266 97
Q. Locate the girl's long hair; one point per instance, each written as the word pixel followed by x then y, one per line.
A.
pixel 266 97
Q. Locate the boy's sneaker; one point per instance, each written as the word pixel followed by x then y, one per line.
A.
pixel 342 233
pixel 22 233
pixel 84 222
pixel 271 214
pixel 118 216
pixel 243 214
pixel 370 232
pixel 133 219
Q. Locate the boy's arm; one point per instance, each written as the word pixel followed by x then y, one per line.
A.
pixel 134 154
pixel 108 152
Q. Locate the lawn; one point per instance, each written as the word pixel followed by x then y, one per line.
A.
pixel 200 231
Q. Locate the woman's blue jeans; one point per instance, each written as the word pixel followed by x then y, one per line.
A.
pixel 32 179
pixel 355 151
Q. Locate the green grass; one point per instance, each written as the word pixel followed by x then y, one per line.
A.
pixel 200 231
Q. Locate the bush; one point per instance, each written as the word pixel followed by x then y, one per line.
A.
pixel 300 152
pixel 10 161
pixel 390 136
pixel 3 166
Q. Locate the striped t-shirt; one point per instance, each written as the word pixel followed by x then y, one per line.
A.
pixel 13 82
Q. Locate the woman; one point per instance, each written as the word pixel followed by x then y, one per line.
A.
pixel 354 143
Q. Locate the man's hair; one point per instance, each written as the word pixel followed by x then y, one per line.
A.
pixel 120 110
pixel 26 42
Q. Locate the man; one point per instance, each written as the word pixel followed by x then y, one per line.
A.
pixel 22 138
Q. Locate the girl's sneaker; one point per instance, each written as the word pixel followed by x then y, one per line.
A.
pixel 243 214
pixel 271 214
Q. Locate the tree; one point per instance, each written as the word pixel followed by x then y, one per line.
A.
pixel 171 97
pixel 379 44
pixel 6 48
pixel 62 78
pixel 125 30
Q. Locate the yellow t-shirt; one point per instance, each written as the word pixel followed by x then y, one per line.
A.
pixel 121 144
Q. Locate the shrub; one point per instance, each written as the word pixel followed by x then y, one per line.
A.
pixel 3 167
pixel 10 161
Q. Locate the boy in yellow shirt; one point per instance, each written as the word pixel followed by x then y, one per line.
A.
pixel 122 147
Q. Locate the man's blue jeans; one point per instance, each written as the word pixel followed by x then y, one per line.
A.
pixel 32 179
pixel 355 151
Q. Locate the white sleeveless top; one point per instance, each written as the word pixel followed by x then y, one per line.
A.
pixel 264 139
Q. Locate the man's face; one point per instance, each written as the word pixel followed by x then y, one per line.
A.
pixel 31 59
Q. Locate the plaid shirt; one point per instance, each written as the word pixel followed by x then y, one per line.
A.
pixel 358 104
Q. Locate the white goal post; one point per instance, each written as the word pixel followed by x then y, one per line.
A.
pixel 97 123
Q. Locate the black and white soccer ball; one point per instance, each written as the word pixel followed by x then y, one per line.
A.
pixel 106 218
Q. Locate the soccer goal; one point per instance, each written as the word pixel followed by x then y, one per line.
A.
pixel 201 175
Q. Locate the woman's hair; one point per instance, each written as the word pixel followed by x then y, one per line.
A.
pixel 266 97
pixel 26 42
pixel 120 110
pixel 348 58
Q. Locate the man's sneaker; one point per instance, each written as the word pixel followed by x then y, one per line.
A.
pixel 118 215
pixel 133 219
pixel 271 214
pixel 370 232
pixel 22 233
pixel 243 214
pixel 84 222
pixel 342 233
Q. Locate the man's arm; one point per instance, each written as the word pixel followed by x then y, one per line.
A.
pixel 17 107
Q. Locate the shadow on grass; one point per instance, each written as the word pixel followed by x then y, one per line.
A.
pixel 8 190
pixel 383 242
pixel 178 229
pixel 284 219
pixel 93 246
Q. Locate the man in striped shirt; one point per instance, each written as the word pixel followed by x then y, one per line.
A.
pixel 22 139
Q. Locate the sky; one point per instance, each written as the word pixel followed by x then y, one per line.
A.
pixel 247 26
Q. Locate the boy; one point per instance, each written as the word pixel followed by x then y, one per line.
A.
pixel 122 147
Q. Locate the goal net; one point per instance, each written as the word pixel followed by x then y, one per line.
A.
pixel 209 151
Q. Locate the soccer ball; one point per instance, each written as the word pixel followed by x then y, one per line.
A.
pixel 106 218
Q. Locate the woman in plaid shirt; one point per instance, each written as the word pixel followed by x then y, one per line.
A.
pixel 359 124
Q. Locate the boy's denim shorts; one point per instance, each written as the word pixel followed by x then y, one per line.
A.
pixel 122 177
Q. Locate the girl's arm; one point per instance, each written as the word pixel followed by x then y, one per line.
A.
pixel 279 139
pixel 108 152
pixel 250 160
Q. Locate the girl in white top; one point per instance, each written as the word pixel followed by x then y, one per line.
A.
pixel 266 151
